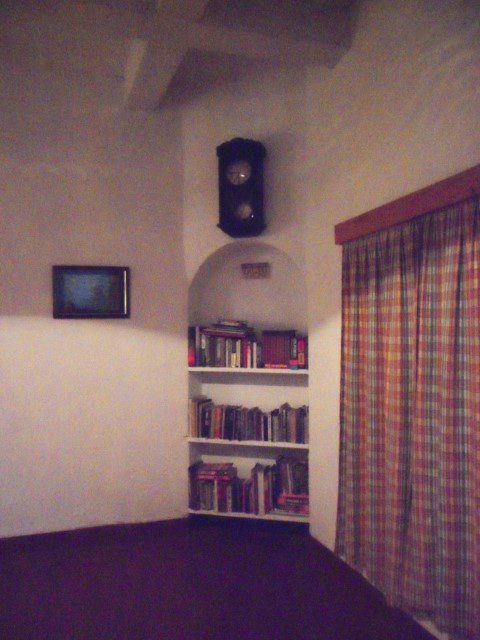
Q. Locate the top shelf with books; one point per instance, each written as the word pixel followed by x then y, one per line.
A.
pixel 233 345
pixel 251 370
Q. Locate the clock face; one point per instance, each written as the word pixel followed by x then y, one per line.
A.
pixel 238 172
pixel 244 211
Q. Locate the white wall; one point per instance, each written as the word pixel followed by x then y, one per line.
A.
pixel 399 112
pixel 219 289
pixel 267 108
pixel 92 412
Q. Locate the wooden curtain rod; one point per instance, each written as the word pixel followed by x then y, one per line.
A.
pixel 437 196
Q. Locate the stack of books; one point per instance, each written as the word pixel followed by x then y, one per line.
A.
pixel 227 343
pixel 210 486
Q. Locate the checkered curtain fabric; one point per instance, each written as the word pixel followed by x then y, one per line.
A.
pixel 409 495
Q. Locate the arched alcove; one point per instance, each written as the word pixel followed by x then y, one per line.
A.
pixel 220 290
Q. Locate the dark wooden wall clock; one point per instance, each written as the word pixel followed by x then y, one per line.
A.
pixel 240 182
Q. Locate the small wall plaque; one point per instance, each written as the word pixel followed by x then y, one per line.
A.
pixel 256 270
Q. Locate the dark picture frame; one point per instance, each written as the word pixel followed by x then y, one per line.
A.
pixel 91 292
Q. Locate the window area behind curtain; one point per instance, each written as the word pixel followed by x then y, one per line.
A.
pixel 409 495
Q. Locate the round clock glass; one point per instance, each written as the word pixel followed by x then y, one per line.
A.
pixel 238 172
pixel 244 211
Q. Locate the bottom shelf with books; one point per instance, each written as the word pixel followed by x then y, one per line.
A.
pixel 278 516
pixel 277 491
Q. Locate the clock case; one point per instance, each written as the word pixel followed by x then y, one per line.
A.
pixel 250 192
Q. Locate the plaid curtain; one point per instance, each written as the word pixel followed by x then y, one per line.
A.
pixel 409 495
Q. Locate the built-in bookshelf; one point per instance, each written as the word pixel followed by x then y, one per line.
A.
pixel 262 395
pixel 258 368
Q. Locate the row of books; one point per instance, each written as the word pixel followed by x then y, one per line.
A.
pixel 233 422
pixel 233 344
pixel 281 487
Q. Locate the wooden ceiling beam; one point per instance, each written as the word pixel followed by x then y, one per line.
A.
pixel 251 44
pixel 154 59
pixel 173 30
pixel 150 68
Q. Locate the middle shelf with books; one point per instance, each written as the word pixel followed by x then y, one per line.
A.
pixel 231 445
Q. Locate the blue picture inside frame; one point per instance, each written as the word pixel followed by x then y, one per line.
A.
pixel 91 292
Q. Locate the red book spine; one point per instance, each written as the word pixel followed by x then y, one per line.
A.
pixel 302 352
pixel 265 350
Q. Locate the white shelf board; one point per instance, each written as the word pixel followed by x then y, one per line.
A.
pixel 279 517
pixel 248 443
pixel 243 370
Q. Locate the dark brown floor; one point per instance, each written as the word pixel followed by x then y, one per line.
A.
pixel 196 579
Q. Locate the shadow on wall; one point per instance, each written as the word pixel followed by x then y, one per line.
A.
pixel 106 214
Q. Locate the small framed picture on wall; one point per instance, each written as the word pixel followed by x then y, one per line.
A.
pixel 91 292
